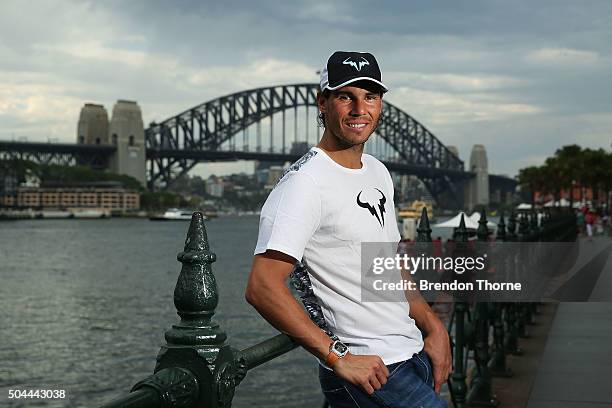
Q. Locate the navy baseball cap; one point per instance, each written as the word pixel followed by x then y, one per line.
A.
pixel 346 67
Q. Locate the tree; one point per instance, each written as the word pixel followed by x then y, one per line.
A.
pixel 570 159
pixel 532 179
pixel 571 164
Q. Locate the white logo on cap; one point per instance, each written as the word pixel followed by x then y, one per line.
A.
pixel 357 65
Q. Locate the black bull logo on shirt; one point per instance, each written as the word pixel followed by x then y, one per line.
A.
pixel 372 207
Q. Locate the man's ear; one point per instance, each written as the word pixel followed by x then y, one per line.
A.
pixel 321 102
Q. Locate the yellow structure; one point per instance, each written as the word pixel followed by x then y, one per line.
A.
pixel 415 209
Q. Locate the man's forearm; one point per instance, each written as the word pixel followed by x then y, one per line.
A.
pixel 437 342
pixel 425 318
pixel 277 305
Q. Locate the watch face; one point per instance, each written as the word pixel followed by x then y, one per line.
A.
pixel 340 347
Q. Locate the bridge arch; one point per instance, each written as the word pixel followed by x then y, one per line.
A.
pixel 178 143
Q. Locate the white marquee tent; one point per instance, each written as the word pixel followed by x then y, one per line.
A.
pixel 454 222
pixel 476 217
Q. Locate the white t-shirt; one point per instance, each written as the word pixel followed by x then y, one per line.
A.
pixel 321 212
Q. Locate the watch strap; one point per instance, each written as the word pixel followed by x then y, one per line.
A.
pixel 331 359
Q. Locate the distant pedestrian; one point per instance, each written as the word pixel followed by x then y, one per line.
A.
pixel 589 220
pixel 580 221
pixel 437 247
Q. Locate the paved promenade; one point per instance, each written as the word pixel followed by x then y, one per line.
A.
pixel 575 370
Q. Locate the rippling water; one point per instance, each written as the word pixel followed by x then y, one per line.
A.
pixel 85 304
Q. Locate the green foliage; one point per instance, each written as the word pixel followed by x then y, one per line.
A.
pixel 160 200
pixel 570 165
pixel 67 174
pixel 80 174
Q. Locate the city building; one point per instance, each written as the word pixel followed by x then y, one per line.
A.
pixel 274 174
pixel 94 195
pixel 214 186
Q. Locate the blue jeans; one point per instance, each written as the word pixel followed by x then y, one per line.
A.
pixel 409 385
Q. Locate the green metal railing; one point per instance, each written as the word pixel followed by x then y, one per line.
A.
pixel 472 322
pixel 197 368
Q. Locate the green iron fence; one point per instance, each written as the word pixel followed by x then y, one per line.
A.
pixel 198 368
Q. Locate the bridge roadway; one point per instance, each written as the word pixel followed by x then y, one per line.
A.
pixel 101 153
pixel 175 145
pixel 98 156
pixel 41 147
pixel 220 155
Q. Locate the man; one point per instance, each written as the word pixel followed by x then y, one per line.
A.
pixel 589 220
pixel 327 203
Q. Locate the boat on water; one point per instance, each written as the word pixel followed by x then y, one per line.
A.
pixel 91 213
pixel 54 214
pixel 174 214
pixel 88 213
pixel 413 211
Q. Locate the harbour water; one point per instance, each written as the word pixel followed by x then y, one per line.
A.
pixel 85 304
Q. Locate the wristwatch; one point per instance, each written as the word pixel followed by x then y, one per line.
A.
pixel 337 350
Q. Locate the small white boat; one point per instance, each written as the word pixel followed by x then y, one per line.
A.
pixel 91 214
pixel 51 214
pixel 174 214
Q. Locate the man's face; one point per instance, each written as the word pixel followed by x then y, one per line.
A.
pixel 351 113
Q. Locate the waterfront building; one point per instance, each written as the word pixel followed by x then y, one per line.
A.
pixel 8 200
pixel 274 174
pixel 577 195
pixel 261 176
pixel 111 196
pixel 214 186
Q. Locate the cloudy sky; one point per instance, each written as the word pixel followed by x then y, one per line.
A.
pixel 521 77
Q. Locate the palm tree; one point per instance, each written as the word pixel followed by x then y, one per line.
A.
pixel 532 178
pixel 570 159
pixel 555 176
pixel 607 179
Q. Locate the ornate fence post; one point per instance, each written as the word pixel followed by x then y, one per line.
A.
pixel 424 230
pixel 497 363
pixel 512 226
pixel 197 342
pixel 533 220
pixel 512 309
pixel 196 368
pixel 536 237
pixel 480 393
pixel 524 258
pixel 458 384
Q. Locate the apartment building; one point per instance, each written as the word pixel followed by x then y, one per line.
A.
pixel 102 195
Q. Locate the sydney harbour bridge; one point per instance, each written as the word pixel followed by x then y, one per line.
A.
pixel 271 124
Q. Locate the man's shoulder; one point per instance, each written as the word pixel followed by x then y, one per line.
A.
pixel 301 168
pixel 372 161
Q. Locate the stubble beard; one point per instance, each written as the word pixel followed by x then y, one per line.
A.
pixel 346 144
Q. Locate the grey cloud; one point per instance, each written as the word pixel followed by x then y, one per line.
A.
pixel 549 58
